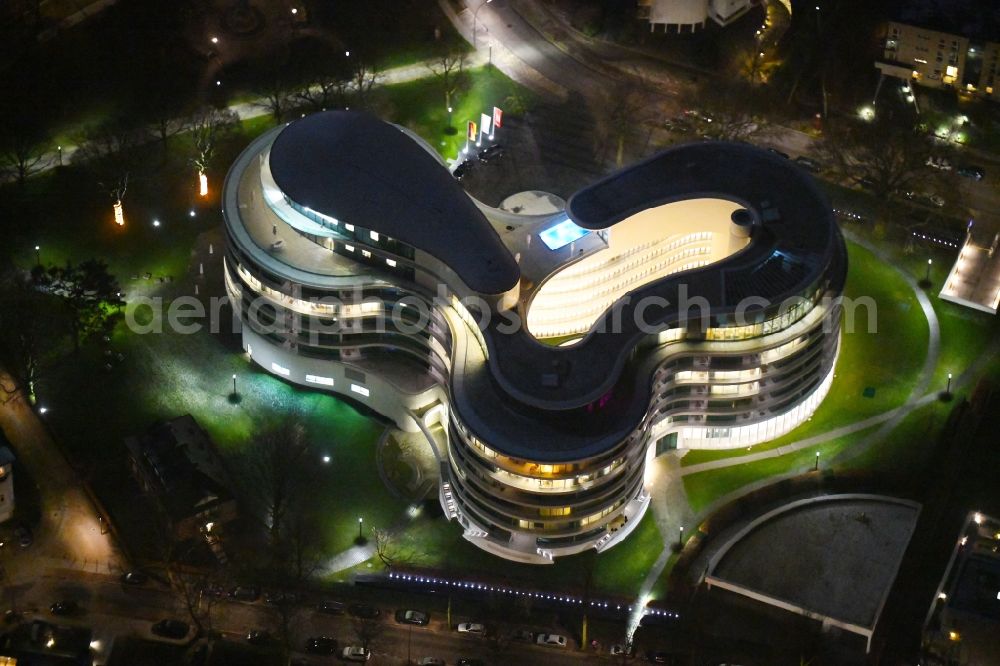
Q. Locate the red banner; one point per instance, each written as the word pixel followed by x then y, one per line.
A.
pixel 497 117
pixel 471 134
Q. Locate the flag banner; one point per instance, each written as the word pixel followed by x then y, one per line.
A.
pixel 471 135
pixel 497 117
pixel 486 121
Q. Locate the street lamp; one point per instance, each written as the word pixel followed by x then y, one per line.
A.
pixel 927 274
pixel 234 385
pixel 947 391
pixel 59 149
pixel 816 463
pixel 449 118
pixel 38 256
pixel 475 16
pixel 360 520
pixel 680 535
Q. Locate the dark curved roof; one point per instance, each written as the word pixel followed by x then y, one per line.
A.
pixel 360 170
pixel 794 243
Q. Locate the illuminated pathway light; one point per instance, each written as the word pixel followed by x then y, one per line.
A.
pixel 119 214
pixel 202 184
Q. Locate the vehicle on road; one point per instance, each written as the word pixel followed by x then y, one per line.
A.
pixel 170 629
pixel 808 164
pixel 940 163
pixel 490 153
pixel 245 593
pixel 258 637
pixel 463 169
pixel 356 653
pixel 621 650
pixel 971 171
pixel 430 661
pixel 331 607
pixel 555 640
pixel 134 578
pixel 416 617
pixel 364 611
pixel 471 628
pixel 64 608
pixel 321 645
pixel 23 535
pixel 777 152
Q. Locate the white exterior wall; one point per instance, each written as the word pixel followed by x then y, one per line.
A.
pixel 679 12
pixel 383 396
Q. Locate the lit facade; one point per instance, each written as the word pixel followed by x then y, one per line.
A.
pixel 691 15
pixel 693 296
pixel 940 59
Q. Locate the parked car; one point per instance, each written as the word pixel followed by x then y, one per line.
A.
pixel 523 635
pixel 940 163
pixel 936 199
pixel 971 171
pixel 356 653
pixel 808 164
pixel 866 183
pixel 416 617
pixel 431 661
pixel 471 628
pixel 364 611
pixel 657 657
pixel 214 590
pixel 170 629
pixel 466 661
pixel 274 598
pixel 494 152
pixel 331 607
pixel 463 169
pixel 321 645
pixel 245 593
pixel 23 535
pixel 619 650
pixel 551 639
pixel 258 637
pixel 64 608
pixel 134 578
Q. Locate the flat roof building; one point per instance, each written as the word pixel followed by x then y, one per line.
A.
pixel 693 294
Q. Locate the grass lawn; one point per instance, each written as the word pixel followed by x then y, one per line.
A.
pixel 420 106
pixel 436 544
pixel 704 488
pixel 888 359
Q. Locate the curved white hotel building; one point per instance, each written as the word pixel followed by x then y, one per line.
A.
pixel 688 301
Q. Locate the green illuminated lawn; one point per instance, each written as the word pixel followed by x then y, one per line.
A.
pixel 420 106
pixel 438 545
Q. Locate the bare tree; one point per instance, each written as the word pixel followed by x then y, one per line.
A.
pixel 207 127
pixel 890 155
pixel 383 544
pixel 89 293
pixel 32 336
pixel 623 112
pixel 324 92
pixel 364 78
pixel 447 68
pixel 276 467
pixel 22 152
pixel 733 111
pixel 367 630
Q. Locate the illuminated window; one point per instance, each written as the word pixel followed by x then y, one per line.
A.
pixel 951 70
pixel 349 248
pixel 322 381
pixel 349 227
pixel 391 262
pixel 555 511
pixel 360 390
pixel 562 234
pixel 374 235
pixel 366 254
pixel 280 370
